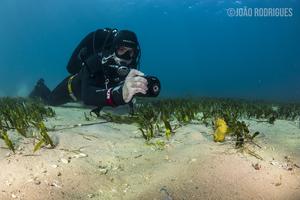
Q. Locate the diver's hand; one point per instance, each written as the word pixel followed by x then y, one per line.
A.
pixel 134 83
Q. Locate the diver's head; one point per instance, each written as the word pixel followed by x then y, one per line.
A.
pixel 125 48
pixel 123 55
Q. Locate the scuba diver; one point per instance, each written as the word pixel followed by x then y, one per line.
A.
pixel 104 71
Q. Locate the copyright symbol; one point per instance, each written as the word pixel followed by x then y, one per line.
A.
pixel 231 12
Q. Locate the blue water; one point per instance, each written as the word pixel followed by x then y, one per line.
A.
pixel 194 47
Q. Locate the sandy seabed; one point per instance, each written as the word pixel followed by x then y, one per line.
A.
pixel 112 161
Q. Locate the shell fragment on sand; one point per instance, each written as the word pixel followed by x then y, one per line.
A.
pixel 65 161
pixel 80 155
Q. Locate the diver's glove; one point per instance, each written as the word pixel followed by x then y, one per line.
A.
pixel 134 83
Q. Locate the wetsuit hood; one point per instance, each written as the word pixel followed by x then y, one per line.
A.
pixel 129 39
pixel 125 38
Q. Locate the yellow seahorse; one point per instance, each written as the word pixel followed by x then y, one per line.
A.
pixel 221 130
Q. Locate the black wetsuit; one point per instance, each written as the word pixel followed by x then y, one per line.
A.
pixel 90 84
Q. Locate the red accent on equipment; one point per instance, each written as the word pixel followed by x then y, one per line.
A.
pixel 109 99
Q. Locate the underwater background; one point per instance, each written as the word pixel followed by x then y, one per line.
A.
pixel 194 47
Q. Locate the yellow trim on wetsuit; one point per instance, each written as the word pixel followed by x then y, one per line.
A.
pixel 70 88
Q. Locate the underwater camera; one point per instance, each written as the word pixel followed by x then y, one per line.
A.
pixel 154 87
pixel 119 72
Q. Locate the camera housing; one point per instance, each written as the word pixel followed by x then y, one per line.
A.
pixel 154 87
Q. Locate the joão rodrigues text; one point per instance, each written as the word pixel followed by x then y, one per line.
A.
pixel 260 12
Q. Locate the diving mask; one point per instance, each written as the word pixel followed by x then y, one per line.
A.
pixel 125 53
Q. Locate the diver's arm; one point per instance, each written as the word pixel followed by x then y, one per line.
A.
pixel 97 96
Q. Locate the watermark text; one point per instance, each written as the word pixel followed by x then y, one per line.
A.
pixel 259 12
